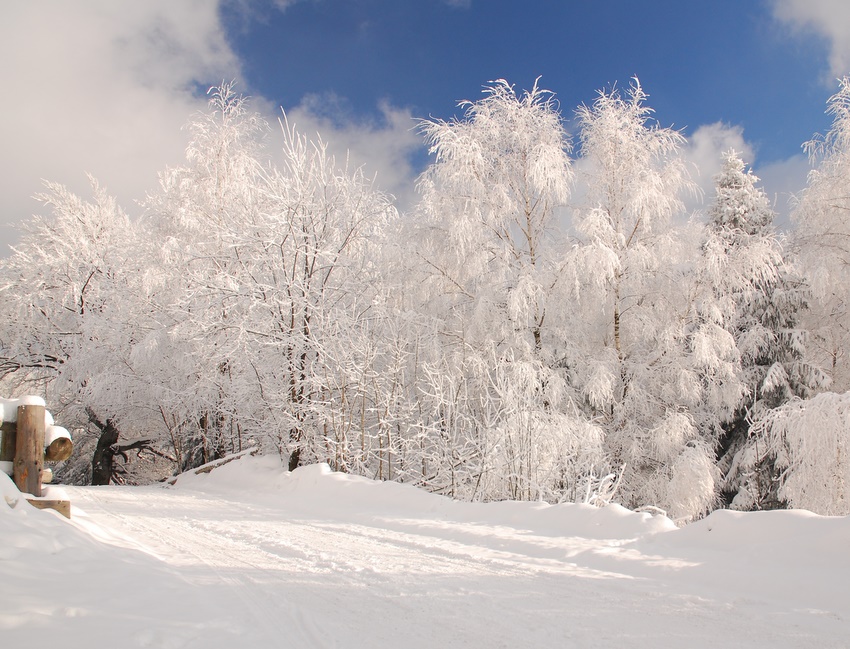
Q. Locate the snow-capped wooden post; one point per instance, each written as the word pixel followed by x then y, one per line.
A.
pixel 29 439
pixel 29 448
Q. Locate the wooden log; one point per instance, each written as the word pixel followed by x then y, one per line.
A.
pixel 29 449
pixel 9 432
pixel 209 466
pixel 58 450
pixel 61 506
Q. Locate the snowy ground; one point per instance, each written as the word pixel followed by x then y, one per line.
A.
pixel 252 556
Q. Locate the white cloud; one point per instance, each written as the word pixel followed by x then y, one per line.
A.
pixel 781 179
pixel 101 87
pixel 827 18
pixel 383 148
pixel 104 88
pixel 704 152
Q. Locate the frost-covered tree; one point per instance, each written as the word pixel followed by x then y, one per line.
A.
pixel 630 353
pixel 496 405
pixel 498 177
pixel 199 205
pixel 73 312
pixel 751 291
pixel 248 306
pixel 822 239
pixel 277 267
pixel 809 440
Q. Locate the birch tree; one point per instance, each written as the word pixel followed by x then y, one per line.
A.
pixel 823 240
pixel 489 202
pixel 632 360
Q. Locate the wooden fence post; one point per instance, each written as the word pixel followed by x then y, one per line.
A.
pixel 9 433
pixel 29 449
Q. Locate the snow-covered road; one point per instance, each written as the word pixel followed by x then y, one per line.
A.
pixel 253 554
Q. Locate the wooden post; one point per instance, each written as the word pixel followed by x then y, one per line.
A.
pixel 29 449
pixel 7 445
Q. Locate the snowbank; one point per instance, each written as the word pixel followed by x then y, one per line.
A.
pixel 252 555
pixel 263 478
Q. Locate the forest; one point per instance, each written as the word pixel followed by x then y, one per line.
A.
pixel 546 323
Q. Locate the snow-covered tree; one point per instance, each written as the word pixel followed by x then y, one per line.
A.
pixel 750 291
pixel 199 205
pixel 823 241
pixel 630 353
pixel 809 440
pixel 277 266
pixel 488 243
pixel 73 311
pixel 498 177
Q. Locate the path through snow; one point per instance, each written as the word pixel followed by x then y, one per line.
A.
pixel 253 554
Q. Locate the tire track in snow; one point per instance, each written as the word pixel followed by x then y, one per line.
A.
pixel 180 541
pixel 271 557
pixel 310 578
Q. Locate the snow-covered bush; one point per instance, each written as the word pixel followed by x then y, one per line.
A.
pixel 808 440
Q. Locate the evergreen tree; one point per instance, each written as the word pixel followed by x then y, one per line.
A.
pixel 757 296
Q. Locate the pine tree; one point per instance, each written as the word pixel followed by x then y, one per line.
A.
pixel 758 297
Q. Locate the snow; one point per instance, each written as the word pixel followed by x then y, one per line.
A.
pixel 252 555
pixel 31 400
pixel 52 433
pixel 9 409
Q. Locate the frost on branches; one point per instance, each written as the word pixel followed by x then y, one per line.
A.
pixel 278 275
pixel 491 258
pixel 751 291
pixel 823 241
pixel 73 310
pixel 629 351
pixel 485 346
pixel 809 441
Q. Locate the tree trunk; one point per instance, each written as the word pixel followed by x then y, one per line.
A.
pixel 104 453
pixel 294 459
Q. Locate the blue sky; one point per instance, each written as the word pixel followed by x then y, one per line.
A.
pixel 701 62
pixel 104 87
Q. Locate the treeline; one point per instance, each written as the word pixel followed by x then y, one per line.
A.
pixel 537 327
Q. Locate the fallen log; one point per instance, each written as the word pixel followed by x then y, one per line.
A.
pixel 209 466
pixel 57 444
